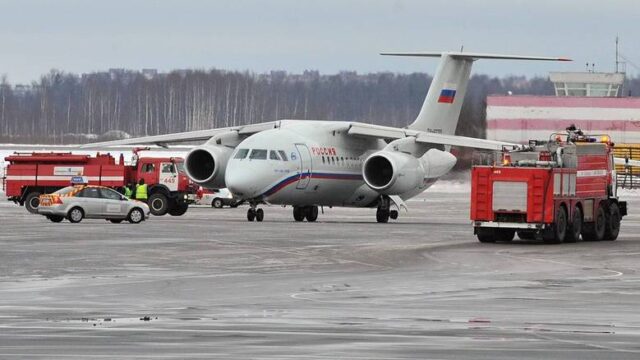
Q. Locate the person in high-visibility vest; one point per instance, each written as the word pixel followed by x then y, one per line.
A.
pixel 128 191
pixel 141 191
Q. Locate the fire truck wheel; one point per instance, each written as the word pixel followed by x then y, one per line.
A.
pixel 574 230
pixel 179 209
pixel 217 203
pixel 613 222
pixel 75 215
pixel 116 221
pixel 595 231
pixel 158 204
pixel 298 213
pixel 485 235
pixel 55 218
pixel 32 201
pixel 558 231
pixel 504 235
pixel 135 216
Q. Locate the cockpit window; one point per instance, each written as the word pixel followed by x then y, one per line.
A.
pixel 241 154
pixel 273 155
pixel 283 155
pixel 258 154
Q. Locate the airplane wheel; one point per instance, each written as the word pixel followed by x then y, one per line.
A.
pixel 382 216
pixel 298 213
pixel 311 213
pixel 251 214
pixel 259 215
pixel 393 214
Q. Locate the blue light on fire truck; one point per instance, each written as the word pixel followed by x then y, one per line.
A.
pixel 79 180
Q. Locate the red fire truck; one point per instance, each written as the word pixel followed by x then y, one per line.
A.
pixel 28 175
pixel 556 190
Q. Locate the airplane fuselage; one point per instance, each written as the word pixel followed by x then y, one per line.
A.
pixel 307 163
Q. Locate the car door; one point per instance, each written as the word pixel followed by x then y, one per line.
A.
pixel 91 202
pixel 112 204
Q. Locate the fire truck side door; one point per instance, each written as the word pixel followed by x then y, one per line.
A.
pixel 147 171
pixel 169 176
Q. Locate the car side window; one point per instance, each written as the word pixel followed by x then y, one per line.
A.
pixel 89 192
pixel 110 194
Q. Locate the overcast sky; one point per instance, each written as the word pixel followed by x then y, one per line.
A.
pixel 294 35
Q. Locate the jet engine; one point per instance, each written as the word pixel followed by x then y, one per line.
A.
pixel 393 173
pixel 206 165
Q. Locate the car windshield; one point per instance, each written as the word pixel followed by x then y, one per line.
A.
pixel 180 166
pixel 65 191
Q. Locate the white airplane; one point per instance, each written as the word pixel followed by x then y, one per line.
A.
pixel 308 164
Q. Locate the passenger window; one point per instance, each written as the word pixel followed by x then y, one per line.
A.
pixel 323 159
pixel 110 194
pixel 89 192
pixel 241 154
pixel 273 155
pixel 283 155
pixel 258 154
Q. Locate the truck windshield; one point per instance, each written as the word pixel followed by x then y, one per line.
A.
pixel 180 166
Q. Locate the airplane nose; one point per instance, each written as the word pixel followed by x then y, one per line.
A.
pixel 240 183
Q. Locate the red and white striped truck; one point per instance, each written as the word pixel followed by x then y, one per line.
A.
pixel 28 175
pixel 557 190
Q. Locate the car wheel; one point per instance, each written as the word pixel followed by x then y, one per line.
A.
pixel 158 204
pixel 116 221
pixel 32 202
pixel 55 218
pixel 75 215
pixel 217 203
pixel 135 216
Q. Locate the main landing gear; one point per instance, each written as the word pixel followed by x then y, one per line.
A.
pixel 305 212
pixel 255 214
pixel 384 211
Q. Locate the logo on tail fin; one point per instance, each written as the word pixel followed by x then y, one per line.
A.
pixel 447 94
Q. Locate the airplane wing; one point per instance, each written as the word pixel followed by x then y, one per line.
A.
pixel 189 136
pixel 392 133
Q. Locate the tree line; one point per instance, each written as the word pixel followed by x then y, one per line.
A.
pixel 70 108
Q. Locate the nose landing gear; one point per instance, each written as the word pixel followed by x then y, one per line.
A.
pixel 384 211
pixel 255 214
pixel 308 212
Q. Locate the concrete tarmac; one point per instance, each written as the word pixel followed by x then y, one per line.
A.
pixel 212 285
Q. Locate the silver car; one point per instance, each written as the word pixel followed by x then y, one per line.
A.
pixel 92 202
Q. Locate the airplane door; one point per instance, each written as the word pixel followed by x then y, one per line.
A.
pixel 305 166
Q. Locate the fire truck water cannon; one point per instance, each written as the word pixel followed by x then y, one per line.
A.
pixel 559 190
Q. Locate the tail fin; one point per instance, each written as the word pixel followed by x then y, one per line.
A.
pixel 441 108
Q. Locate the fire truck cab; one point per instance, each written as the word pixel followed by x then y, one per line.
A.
pixel 557 191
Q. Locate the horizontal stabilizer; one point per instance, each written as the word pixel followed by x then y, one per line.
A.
pixel 474 56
